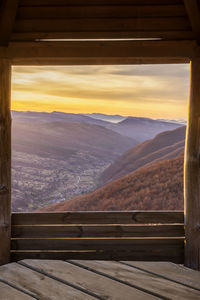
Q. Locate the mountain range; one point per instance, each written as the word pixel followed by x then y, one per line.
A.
pixel 63 139
pixel 166 145
pixel 53 161
pixel 139 129
pixel 148 176
pixel 142 129
pixel 57 156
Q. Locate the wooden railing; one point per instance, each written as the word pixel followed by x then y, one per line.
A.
pixel 135 235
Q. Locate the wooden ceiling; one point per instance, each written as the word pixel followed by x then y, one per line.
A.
pixel 39 19
pixel 154 30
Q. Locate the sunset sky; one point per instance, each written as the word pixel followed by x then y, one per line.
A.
pixel 156 91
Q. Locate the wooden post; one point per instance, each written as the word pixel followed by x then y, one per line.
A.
pixel 5 161
pixel 192 172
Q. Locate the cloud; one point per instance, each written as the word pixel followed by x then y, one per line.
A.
pixel 178 71
pixel 121 85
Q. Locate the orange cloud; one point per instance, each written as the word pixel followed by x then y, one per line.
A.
pixel 155 91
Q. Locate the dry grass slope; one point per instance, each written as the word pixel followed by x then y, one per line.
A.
pixel 166 145
pixel 155 187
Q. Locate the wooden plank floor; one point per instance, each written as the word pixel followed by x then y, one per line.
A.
pixel 56 279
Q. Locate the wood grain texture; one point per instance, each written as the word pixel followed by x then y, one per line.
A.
pixel 41 280
pixel 39 285
pixel 8 10
pixel 169 254
pixel 193 11
pixel 170 271
pixel 126 217
pixel 5 160
pixel 97 231
pixel 103 11
pixel 104 249
pixel 107 24
pixel 100 52
pixel 10 293
pixel 72 241
pixel 192 172
pixel 104 288
pixel 117 244
pixel 163 288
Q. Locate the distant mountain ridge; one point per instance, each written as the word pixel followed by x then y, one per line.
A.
pixel 108 118
pixel 142 129
pixel 57 156
pixel 43 117
pixel 137 128
pixel 166 145
pixel 56 160
pixel 43 138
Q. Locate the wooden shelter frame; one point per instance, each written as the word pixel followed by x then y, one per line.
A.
pixel 85 32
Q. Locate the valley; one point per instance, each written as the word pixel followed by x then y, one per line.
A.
pixel 39 181
pixel 59 156
pixel 155 187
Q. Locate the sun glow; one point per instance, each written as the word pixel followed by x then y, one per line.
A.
pixel 159 91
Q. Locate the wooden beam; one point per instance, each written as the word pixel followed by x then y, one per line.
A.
pixel 193 11
pixel 151 249
pixel 98 61
pixel 8 9
pixel 192 172
pixel 103 217
pixel 97 11
pixel 96 52
pixel 94 231
pixel 97 2
pixel 165 253
pixel 166 35
pixel 112 244
pixel 5 160
pixel 106 24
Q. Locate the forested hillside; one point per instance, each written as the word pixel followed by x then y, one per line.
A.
pixel 58 156
pixel 166 145
pixel 55 161
pixel 155 187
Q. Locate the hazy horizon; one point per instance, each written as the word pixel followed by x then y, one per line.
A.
pixel 94 113
pixel 153 91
